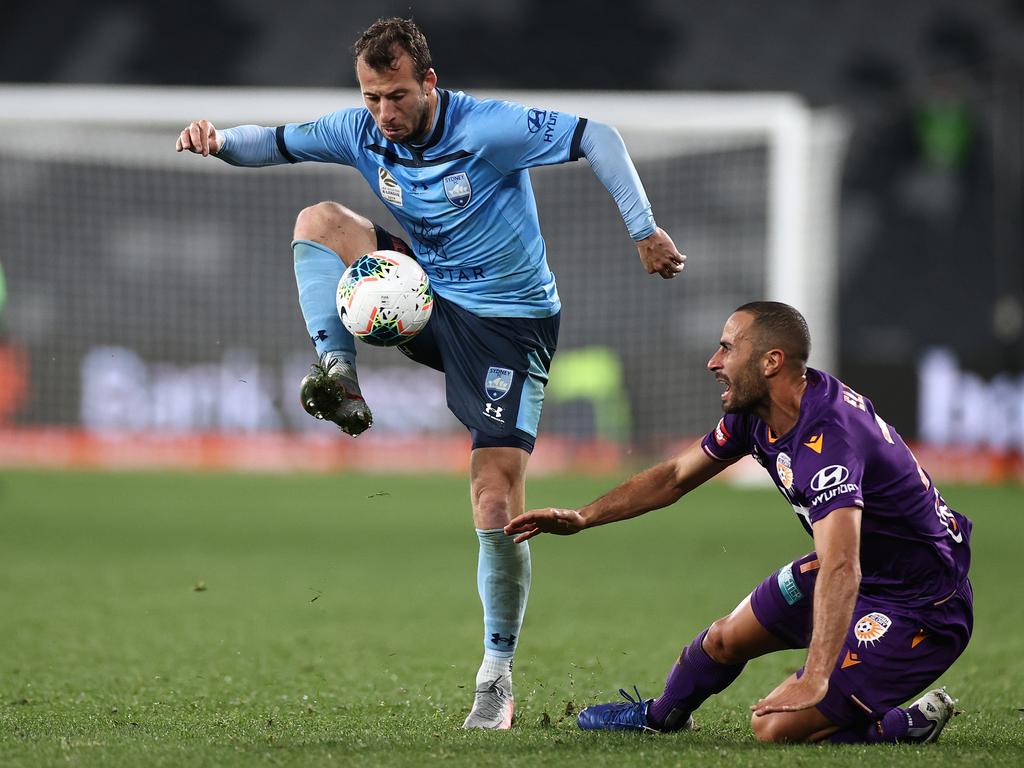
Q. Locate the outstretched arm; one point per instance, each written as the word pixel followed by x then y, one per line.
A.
pixel 654 488
pixel 247 145
pixel 837 542
pixel 603 147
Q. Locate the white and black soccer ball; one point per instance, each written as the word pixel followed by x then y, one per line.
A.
pixel 384 298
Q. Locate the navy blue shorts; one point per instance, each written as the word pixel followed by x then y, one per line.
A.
pixel 495 368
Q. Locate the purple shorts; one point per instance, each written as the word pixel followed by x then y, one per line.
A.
pixel 891 653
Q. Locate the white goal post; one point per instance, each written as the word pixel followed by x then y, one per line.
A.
pixel 747 185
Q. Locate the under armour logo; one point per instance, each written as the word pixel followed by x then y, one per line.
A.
pixel 321 335
pixel 493 411
pixel 497 639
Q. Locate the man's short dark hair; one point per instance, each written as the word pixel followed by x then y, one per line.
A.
pixel 376 46
pixel 780 326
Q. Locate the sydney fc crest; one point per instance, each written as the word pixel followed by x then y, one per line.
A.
pixel 457 189
pixel 498 382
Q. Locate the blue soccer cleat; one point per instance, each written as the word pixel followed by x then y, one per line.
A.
pixel 629 715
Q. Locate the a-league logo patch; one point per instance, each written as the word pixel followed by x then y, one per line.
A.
pixel 390 191
pixel 784 467
pixel 458 189
pixel 869 629
pixel 498 382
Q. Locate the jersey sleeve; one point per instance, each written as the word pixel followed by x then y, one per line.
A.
pixel 514 137
pixel 831 479
pixel 730 439
pixel 332 138
pixel 603 147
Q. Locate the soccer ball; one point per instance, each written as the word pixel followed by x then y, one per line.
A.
pixel 384 298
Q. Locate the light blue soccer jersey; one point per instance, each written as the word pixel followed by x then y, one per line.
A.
pixel 463 197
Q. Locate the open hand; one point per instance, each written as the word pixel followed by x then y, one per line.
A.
pixel 792 695
pixel 658 254
pixel 562 522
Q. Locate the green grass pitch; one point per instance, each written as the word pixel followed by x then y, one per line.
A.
pixel 176 619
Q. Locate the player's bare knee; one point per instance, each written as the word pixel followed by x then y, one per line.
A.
pixel 762 729
pixel 719 643
pixel 324 220
pixel 780 728
pixel 494 495
pixel 771 729
pixel 496 485
pixel 491 501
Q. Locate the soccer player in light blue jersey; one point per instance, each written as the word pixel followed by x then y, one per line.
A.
pixel 452 169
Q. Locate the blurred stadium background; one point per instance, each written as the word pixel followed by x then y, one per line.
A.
pixel 862 160
pixel 859 158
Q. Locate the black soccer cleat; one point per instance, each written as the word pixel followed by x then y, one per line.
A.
pixel 331 392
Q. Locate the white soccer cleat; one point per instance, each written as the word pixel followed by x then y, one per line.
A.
pixel 936 707
pixel 493 706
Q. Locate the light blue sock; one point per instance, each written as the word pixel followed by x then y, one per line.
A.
pixel 317 272
pixel 503 580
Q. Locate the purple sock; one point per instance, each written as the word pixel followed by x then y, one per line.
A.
pixel 694 678
pixel 891 728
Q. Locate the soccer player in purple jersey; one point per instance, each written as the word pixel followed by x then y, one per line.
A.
pixel 883 605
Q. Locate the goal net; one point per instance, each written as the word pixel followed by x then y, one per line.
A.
pixel 152 293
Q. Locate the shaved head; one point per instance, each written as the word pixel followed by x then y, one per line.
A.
pixel 779 326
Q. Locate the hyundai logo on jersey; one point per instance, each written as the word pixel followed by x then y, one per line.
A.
pixel 830 476
pixel 457 189
pixel 498 382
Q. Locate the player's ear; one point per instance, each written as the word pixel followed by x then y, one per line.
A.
pixel 773 361
pixel 429 80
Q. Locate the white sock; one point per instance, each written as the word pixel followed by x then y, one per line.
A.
pixel 343 358
pixel 492 668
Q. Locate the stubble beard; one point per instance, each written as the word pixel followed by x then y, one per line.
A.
pixel 419 133
pixel 748 392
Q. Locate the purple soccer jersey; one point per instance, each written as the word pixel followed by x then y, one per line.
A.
pixel 914 549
